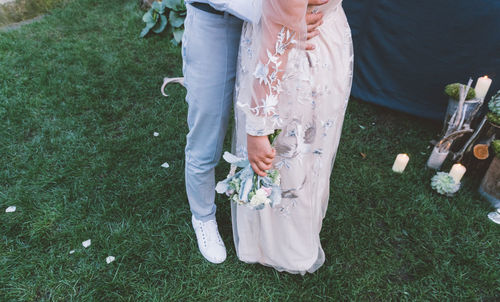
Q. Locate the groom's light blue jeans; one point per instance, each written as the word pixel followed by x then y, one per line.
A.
pixel 209 51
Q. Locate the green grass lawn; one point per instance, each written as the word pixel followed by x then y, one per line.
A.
pixel 79 102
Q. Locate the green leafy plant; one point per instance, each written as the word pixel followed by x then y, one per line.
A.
pixel 156 18
pixel 494 106
pixel 444 184
pixel 496 147
pixel 493 118
pixel 453 91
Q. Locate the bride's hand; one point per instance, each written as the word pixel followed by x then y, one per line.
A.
pixel 314 20
pixel 260 154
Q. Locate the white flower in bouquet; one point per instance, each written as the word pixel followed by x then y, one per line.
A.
pixel 260 198
pixel 244 187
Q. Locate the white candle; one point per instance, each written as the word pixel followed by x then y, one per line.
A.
pixel 457 172
pixel 400 163
pixel 482 86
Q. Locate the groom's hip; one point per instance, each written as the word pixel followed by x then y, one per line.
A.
pixel 209 48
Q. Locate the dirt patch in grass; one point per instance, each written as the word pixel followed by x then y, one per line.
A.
pixel 20 10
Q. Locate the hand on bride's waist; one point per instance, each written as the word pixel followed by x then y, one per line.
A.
pixel 314 19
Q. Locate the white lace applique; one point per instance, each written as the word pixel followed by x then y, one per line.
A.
pixel 267 73
pixel 326 125
pixel 265 113
pixel 286 207
pixel 282 163
pixel 289 199
pixel 241 151
pixel 318 165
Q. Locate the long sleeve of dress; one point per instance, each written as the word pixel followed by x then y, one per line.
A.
pixel 282 28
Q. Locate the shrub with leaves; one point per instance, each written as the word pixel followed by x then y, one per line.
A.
pixel 494 106
pixel 444 184
pixel 453 91
pixel 496 147
pixel 493 118
pixel 168 14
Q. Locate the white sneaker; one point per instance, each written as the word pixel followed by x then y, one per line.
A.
pixel 209 241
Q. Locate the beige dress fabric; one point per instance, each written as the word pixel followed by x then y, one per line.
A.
pixel 306 98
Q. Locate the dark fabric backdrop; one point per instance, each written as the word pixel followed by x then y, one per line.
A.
pixel 407 51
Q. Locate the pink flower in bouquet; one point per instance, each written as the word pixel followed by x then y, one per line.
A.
pixel 267 190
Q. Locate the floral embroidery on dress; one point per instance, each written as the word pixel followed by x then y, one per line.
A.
pixel 269 75
pixel 327 125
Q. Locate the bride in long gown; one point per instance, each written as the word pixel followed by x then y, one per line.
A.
pixel 304 93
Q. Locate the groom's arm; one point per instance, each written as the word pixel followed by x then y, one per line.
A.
pixel 313 20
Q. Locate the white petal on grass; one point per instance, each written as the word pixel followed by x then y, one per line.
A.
pixel 86 243
pixel 10 209
pixel 110 259
pixel 165 165
pixel 495 217
pixel 156 133
pixel 71 252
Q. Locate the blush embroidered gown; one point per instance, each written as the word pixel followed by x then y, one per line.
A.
pixel 280 86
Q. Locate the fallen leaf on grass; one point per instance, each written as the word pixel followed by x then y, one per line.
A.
pixel 110 259
pixel 165 165
pixel 86 243
pixel 362 155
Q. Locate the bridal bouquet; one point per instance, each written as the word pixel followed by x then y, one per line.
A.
pixel 244 187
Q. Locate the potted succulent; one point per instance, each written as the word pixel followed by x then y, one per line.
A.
pixel 471 104
pixel 494 114
pixel 490 185
pixel 462 108
pixel 453 91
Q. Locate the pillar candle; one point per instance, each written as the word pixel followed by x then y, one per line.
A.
pixel 400 163
pixel 457 172
pixel 482 86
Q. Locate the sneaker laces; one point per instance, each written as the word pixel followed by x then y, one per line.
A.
pixel 211 226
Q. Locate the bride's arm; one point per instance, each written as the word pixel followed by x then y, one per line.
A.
pixel 283 28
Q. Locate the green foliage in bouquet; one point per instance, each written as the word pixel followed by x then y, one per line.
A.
pixel 453 91
pixel 156 18
pixel 496 147
pixel 444 184
pixel 494 106
pixel 273 136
